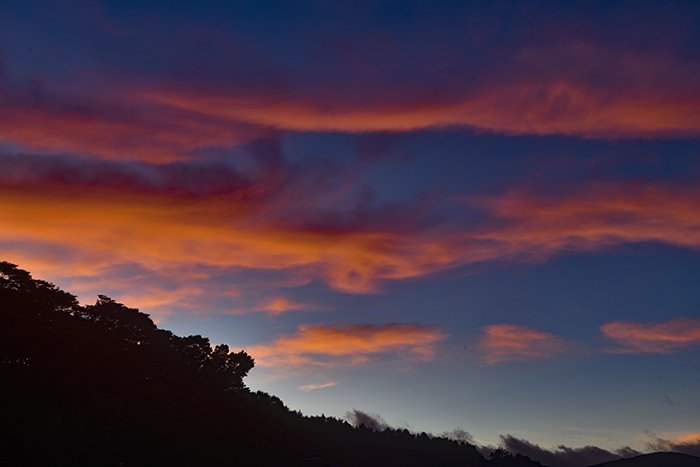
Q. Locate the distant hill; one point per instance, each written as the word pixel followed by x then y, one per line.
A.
pixel 657 459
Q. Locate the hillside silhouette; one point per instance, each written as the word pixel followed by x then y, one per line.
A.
pixel 102 385
pixel 656 459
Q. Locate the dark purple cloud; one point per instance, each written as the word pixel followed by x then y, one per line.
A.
pixel 564 456
pixel 687 444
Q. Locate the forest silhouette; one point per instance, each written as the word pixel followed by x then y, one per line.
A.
pixel 102 385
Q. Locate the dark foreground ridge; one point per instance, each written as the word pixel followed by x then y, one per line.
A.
pixel 657 459
pixel 101 385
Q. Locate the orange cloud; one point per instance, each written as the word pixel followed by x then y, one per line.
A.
pixel 511 342
pixel 59 219
pixel 687 443
pixel 322 345
pixel 662 338
pixel 276 306
pixel 164 227
pixel 158 293
pixel 688 438
pixel 280 305
pixel 58 229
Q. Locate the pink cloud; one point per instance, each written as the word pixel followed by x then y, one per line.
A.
pixel 656 337
pixel 511 342
pixel 317 386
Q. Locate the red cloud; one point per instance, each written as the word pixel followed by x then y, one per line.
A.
pixel 112 126
pixel 546 91
pixel 511 342
pixel 324 345
pixel 547 108
pixel 662 338
pixel 591 216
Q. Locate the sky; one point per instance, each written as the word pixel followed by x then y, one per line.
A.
pixel 481 216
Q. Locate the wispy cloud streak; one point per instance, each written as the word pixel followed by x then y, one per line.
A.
pixel 326 345
pixel 317 386
pixel 660 337
pixel 502 343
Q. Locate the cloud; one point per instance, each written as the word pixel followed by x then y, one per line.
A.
pixel 566 105
pixel 589 216
pixel 511 342
pixel 458 434
pixel 158 125
pixel 656 337
pixel 208 213
pixel 692 437
pixel 564 456
pixel 65 216
pixel 317 386
pixel 115 131
pixel 685 443
pixel 352 344
pixel 374 422
pixel 100 120
pixel 278 306
pixel 193 98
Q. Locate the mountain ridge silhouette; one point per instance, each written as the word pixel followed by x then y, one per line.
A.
pixel 655 459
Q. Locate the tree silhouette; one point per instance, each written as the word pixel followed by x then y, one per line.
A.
pixel 103 385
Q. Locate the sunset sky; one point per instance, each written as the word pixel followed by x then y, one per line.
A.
pixel 454 215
